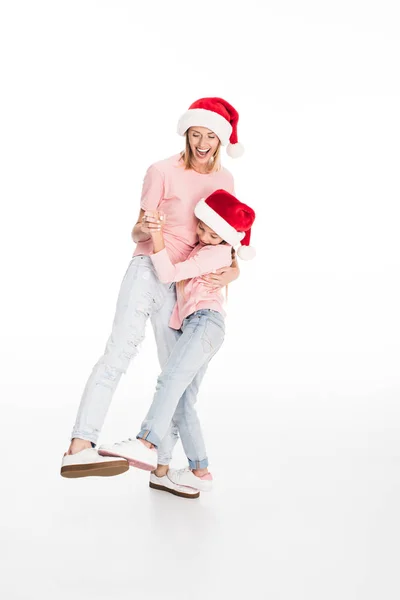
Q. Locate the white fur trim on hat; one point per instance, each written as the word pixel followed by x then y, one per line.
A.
pixel 212 219
pixel 201 117
pixel 246 252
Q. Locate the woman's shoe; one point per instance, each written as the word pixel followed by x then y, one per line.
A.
pixel 88 463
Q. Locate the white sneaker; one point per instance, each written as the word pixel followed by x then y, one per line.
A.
pixel 185 477
pixel 134 451
pixel 166 485
pixel 88 462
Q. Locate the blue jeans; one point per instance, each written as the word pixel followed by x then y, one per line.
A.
pixel 202 335
pixel 141 296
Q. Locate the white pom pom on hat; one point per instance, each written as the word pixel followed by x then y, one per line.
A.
pixel 246 252
pixel 235 150
pixel 219 116
pixel 230 219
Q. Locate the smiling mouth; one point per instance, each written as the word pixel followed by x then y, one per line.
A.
pixel 202 152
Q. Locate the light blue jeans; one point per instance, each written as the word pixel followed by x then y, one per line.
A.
pixel 202 335
pixel 141 296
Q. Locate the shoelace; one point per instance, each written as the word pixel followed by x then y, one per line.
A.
pixel 124 442
pixel 179 473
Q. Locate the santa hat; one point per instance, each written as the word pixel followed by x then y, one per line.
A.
pixel 219 116
pixel 229 218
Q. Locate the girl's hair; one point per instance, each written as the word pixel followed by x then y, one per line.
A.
pixel 214 164
pixel 180 287
pixel 226 287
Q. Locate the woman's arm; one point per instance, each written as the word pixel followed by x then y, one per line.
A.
pixel 222 277
pixel 152 194
pixel 140 233
pixel 225 276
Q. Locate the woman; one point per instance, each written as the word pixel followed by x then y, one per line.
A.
pixel 173 187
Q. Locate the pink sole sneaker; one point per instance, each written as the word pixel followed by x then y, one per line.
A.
pixel 134 451
pixel 132 462
pixel 187 478
pixel 164 484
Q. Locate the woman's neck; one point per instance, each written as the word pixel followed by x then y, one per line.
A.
pixel 202 169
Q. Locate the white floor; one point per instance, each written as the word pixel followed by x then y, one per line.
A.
pixel 305 505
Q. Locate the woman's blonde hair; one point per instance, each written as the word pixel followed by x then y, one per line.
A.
pixel 214 164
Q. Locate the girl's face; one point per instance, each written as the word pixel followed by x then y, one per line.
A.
pixel 206 235
pixel 203 143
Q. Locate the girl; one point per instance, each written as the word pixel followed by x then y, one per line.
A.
pixel 198 314
pixel 173 186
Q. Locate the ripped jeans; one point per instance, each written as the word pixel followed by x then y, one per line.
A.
pixel 141 296
pixel 202 336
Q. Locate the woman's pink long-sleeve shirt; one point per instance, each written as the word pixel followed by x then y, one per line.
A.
pixel 174 190
pixel 195 295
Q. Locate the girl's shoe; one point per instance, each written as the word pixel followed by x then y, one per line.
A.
pixel 166 485
pixel 185 477
pixel 88 463
pixel 134 451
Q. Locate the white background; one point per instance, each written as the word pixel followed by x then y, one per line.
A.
pixel 300 408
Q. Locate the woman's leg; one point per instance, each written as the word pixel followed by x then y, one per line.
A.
pixel 203 333
pixel 139 295
pixel 166 338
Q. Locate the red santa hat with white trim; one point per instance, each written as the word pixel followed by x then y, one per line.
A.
pixel 229 218
pixel 219 116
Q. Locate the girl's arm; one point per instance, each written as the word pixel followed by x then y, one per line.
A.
pixel 158 236
pixel 208 259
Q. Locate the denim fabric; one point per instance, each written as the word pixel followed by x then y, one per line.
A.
pixel 140 296
pixel 201 337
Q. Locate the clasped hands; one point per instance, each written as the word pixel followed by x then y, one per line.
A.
pixel 152 222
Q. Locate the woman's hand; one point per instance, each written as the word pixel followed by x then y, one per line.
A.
pixel 221 278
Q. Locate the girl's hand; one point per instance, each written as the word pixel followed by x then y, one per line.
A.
pixel 221 278
pixel 152 222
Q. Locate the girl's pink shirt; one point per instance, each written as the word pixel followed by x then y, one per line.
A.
pixel 195 295
pixel 170 188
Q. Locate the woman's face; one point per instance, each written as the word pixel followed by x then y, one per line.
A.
pixel 206 235
pixel 203 143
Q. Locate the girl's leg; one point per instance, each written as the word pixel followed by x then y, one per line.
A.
pixel 187 422
pixel 203 333
pixel 139 294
